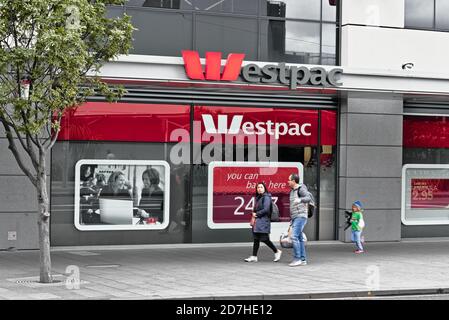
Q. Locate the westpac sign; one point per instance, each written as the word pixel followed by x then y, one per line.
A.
pixel 293 76
pixel 249 128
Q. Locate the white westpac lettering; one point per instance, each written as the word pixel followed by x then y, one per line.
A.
pixel 276 129
pixel 222 124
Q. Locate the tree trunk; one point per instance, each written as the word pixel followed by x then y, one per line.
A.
pixel 44 227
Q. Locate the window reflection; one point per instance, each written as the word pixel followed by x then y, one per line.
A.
pixel 290 41
pixel 160 33
pixel 302 42
pixel 442 14
pixel 281 37
pixel 329 11
pixel 167 4
pixel 328 47
pixel 232 6
pixel 227 35
pixel 296 9
pixel 419 13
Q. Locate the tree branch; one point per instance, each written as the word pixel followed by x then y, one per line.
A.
pixel 55 136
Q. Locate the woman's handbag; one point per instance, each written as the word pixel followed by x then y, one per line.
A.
pixel 252 222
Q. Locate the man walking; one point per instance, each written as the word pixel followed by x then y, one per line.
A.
pixel 299 198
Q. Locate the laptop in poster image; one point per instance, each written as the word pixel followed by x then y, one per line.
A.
pixel 116 211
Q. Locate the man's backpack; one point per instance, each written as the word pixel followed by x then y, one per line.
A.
pixel 311 205
pixel 274 212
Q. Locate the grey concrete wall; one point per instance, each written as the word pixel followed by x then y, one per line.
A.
pixel 371 162
pixel 18 201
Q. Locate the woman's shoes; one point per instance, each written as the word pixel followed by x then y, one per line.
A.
pixel 277 256
pixel 251 259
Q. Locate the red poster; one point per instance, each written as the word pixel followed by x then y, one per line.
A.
pixel 430 193
pixel 231 199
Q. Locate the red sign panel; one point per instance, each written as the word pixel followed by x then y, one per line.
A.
pixel 124 122
pixel 234 187
pixel 256 125
pixel 426 132
pixel 430 193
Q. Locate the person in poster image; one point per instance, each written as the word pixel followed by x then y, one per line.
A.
pixel 261 224
pixel 117 188
pixel 152 197
pixel 299 199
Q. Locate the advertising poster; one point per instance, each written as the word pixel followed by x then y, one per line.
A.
pixel 232 188
pixel 121 195
pixel 425 194
pixel 429 193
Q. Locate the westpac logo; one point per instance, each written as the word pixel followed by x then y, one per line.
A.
pixel 269 127
pixel 195 71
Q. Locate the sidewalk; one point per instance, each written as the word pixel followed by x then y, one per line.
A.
pixel 219 272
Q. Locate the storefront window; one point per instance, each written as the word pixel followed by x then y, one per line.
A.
pixel 425 176
pixel 112 165
pixel 328 169
pixel 224 177
pixel 425 190
pixel 129 173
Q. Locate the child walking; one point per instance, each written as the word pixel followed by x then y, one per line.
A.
pixel 357 224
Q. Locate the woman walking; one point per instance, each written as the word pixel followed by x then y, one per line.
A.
pixel 261 223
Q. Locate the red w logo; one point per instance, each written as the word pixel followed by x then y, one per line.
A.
pixel 213 66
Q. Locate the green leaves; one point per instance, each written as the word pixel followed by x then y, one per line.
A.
pixel 55 43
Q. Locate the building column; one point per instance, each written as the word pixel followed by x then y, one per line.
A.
pixel 370 163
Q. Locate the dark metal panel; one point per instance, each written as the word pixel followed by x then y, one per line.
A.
pixel 265 99
pixel 434 105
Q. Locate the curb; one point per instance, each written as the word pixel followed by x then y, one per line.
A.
pixel 328 295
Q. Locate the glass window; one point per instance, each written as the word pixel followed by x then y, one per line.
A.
pixel 227 35
pixel 172 208
pixel 290 41
pixel 249 7
pixel 148 175
pixel 329 12
pixel 295 9
pixel 302 42
pixel 425 175
pixel 419 13
pixel 442 14
pixel 223 189
pixel 166 4
pixel 328 47
pixel 114 12
pixel 328 169
pixel 160 33
pixel 425 194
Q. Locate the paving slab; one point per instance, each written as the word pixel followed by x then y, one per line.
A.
pixel 219 272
